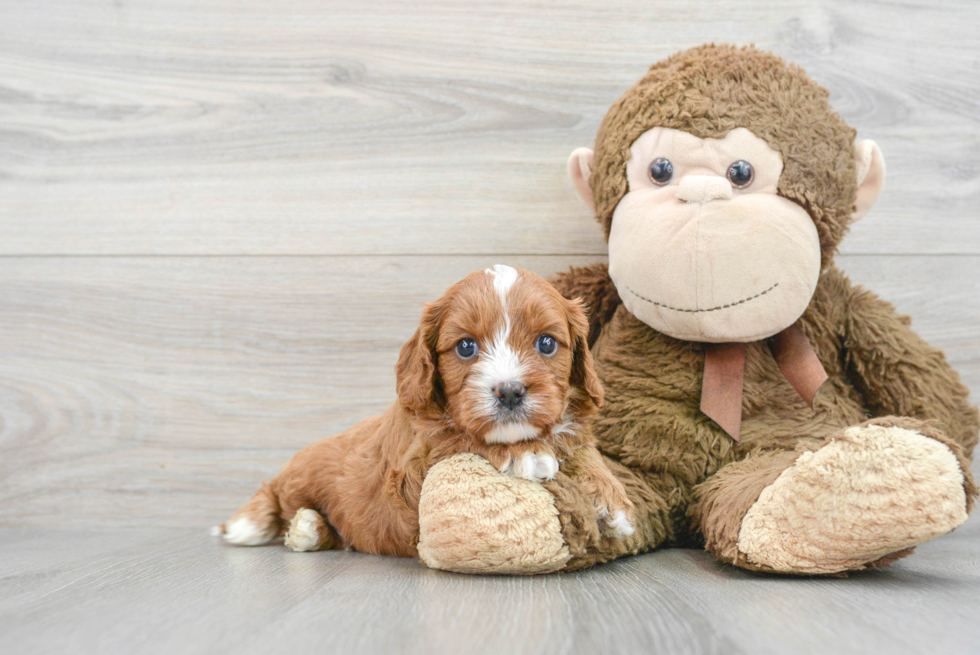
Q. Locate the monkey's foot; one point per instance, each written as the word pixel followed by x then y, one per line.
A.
pixel 474 519
pixel 867 495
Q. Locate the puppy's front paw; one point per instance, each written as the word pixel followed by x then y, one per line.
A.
pixel 533 466
pixel 615 523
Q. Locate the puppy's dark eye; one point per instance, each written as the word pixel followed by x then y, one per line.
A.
pixel 546 345
pixel 661 170
pixel 467 348
pixel 740 174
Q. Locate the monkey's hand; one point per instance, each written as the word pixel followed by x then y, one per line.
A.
pixel 898 373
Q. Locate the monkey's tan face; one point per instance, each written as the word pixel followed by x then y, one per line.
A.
pixel 702 248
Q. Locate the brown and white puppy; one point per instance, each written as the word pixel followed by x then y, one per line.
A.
pixel 500 366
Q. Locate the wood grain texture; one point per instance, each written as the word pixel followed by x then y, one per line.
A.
pixel 151 591
pixel 218 222
pixel 328 127
pixel 159 391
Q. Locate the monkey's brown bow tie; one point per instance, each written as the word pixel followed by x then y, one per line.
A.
pixel 724 370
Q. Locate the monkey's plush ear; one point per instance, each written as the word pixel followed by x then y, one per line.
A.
pixel 417 372
pixel 870 175
pixel 579 169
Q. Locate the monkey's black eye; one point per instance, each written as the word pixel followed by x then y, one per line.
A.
pixel 740 174
pixel 661 170
pixel 546 345
pixel 467 349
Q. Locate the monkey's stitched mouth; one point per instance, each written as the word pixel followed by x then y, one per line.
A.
pixel 701 311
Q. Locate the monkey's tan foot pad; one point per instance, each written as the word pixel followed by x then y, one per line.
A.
pixel 308 531
pixel 475 519
pixel 868 493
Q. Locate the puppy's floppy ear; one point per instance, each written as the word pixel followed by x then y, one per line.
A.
pixel 583 369
pixel 417 370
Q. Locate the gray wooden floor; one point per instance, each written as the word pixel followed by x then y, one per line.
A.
pixel 218 222
pixel 168 591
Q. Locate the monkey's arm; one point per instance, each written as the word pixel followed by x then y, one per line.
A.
pixel 596 289
pixel 898 373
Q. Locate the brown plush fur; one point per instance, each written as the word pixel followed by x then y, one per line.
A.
pixel 689 481
pixel 728 495
pixel 591 284
pixel 651 422
pixel 586 543
pixel 711 90
pixel 366 481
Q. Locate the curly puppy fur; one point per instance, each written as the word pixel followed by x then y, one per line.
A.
pixel 360 489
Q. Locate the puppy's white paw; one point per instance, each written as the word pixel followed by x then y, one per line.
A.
pixel 545 468
pixel 245 532
pixel 615 524
pixel 305 531
pixel 534 467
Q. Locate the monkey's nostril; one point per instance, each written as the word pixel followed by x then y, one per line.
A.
pixel 510 394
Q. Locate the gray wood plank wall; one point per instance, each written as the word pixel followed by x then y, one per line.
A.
pixel 218 219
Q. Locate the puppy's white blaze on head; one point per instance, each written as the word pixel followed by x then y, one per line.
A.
pixel 512 433
pixel 499 363
pixel 504 278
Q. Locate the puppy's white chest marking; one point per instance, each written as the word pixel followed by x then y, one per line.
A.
pixel 512 433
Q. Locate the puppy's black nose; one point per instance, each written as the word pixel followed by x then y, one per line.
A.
pixel 510 394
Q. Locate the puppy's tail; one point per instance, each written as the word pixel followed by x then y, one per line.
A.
pixel 256 523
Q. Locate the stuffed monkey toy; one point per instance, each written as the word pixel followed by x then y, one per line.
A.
pixel 758 403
